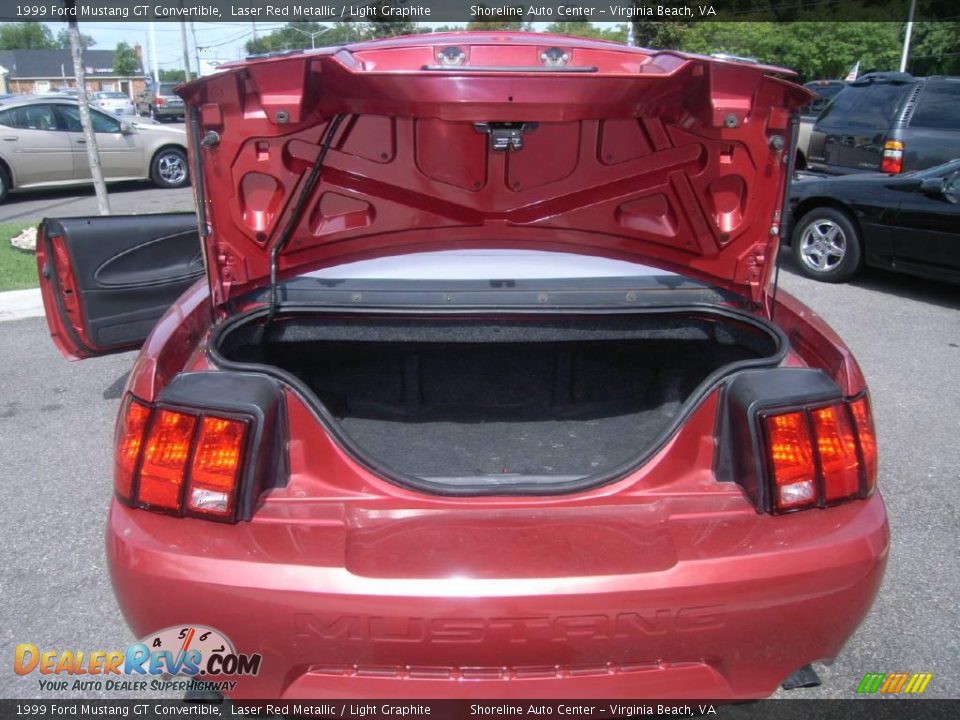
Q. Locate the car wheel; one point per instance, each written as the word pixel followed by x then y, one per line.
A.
pixel 827 245
pixel 4 183
pixel 169 168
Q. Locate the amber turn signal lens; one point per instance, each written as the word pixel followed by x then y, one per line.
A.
pixel 165 456
pixel 791 460
pixel 214 474
pixel 133 424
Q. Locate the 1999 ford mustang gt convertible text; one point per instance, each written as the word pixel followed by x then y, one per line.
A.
pixel 483 390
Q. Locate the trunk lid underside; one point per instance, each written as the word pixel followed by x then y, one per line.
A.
pixel 670 160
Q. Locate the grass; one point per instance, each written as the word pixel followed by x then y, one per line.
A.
pixel 18 269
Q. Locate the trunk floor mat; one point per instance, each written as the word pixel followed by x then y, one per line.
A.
pixel 562 447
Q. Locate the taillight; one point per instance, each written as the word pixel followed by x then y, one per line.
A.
pixel 892 157
pixel 178 461
pixel 214 474
pixel 791 461
pixel 821 455
pixel 838 452
pixel 165 456
pixel 159 101
pixel 863 419
pixel 133 424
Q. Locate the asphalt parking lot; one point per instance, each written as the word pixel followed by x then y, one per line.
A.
pixel 56 423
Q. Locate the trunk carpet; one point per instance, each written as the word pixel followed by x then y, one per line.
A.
pixel 432 445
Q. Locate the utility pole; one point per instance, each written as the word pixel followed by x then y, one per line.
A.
pixel 89 137
pixel 196 50
pixel 186 52
pixel 153 53
pixel 907 35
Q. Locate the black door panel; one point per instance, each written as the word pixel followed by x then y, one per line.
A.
pixel 126 271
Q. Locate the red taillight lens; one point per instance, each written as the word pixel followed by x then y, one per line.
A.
pixel 133 424
pixel 215 471
pixel 791 461
pixel 179 462
pixel 159 101
pixel 863 419
pixel 892 161
pixel 837 448
pixel 817 456
pixel 165 456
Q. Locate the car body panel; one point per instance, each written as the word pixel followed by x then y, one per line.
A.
pixel 32 149
pixel 663 581
pixel 695 185
pixel 106 280
pixel 57 155
pixel 902 227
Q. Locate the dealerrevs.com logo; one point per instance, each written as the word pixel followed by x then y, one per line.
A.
pixel 187 651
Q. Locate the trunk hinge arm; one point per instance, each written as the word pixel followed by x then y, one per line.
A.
pixel 784 223
pixel 308 187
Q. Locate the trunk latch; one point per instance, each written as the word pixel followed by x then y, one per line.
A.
pixel 506 135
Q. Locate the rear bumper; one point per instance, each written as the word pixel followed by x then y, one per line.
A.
pixel 744 601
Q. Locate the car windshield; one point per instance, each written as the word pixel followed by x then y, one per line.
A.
pixel 166 88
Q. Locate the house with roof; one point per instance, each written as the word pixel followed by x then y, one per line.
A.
pixel 34 72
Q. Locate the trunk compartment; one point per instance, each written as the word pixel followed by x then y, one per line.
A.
pixel 547 403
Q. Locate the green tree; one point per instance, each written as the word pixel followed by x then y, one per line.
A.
pixel 63 40
pixel 26 36
pixel 582 28
pixel 125 60
pixel 500 26
pixel 935 49
pixel 304 35
pixel 814 49
pixel 664 35
pixel 177 75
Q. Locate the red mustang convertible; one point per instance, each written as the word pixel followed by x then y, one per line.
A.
pixel 474 382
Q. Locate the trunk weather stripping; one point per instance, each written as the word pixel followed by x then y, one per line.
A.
pixel 308 187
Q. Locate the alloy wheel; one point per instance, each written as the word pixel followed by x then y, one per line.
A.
pixel 823 245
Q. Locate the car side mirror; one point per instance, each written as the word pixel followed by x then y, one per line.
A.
pixel 934 187
pixel 127 129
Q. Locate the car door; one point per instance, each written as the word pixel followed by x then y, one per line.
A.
pixel 927 226
pixel 121 155
pixel 32 146
pixel 105 281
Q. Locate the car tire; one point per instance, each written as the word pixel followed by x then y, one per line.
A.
pixel 5 183
pixel 827 246
pixel 169 168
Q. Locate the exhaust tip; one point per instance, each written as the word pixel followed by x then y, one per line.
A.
pixel 805 677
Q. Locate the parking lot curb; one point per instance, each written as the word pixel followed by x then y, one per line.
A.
pixel 19 304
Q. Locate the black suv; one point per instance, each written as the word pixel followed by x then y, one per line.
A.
pixel 888 122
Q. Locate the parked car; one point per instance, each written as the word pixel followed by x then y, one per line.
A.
pixel 888 122
pixel 42 145
pixel 826 90
pixel 481 394
pixel 114 102
pixel 159 102
pixel 909 223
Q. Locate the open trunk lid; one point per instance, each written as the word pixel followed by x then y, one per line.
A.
pixel 477 140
